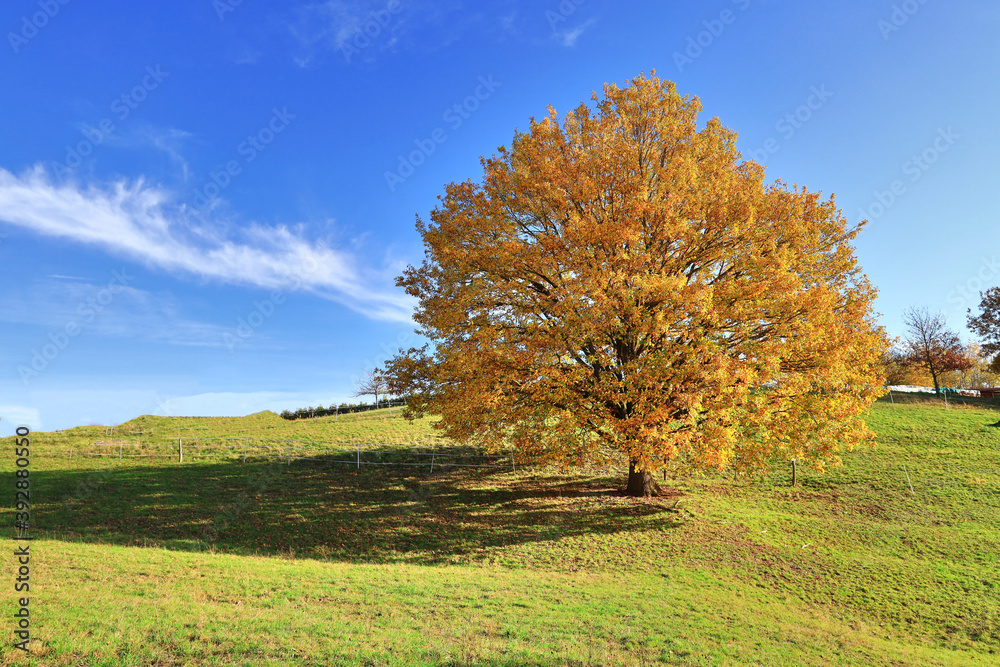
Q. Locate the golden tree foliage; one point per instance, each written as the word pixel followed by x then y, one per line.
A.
pixel 899 369
pixel 977 375
pixel 623 282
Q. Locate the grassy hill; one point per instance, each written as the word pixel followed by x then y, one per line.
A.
pixel 214 561
pixel 376 427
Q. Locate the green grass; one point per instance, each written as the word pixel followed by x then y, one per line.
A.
pixel 217 562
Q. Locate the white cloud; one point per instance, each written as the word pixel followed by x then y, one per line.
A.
pixel 569 38
pixel 333 24
pixel 144 223
pixel 13 416
pixel 361 30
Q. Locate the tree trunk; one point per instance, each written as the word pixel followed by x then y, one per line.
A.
pixel 640 484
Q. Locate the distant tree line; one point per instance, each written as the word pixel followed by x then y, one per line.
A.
pixel 343 408
pixel 932 354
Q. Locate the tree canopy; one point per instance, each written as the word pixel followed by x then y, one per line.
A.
pixel 623 284
pixel 931 346
pixel 372 382
pixel 986 325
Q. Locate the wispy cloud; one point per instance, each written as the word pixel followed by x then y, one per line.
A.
pixel 569 37
pixel 135 314
pixel 361 30
pixel 145 223
pixel 19 415
pixel 167 140
pixel 336 24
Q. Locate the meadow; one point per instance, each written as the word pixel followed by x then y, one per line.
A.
pixel 217 561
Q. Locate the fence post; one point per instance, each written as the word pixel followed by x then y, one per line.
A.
pixel 795 471
pixel 359 456
pixel 180 450
pixel 288 454
pixel 244 452
pixel 432 461
pixel 71 452
pixel 119 450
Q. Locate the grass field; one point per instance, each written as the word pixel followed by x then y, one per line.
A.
pixel 220 562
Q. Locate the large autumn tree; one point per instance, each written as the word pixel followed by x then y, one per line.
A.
pixel 623 284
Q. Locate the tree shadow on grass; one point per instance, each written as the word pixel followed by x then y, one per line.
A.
pixel 320 508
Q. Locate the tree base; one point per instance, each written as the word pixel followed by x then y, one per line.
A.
pixel 641 484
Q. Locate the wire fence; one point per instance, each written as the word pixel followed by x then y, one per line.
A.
pixel 244 449
pixel 360 455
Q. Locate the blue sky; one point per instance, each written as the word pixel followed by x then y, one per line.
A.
pixel 203 203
